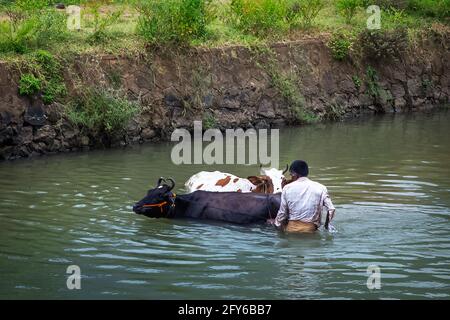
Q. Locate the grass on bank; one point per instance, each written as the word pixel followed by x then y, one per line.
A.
pixel 127 27
pixel 34 35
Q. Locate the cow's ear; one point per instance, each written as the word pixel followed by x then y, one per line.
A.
pixel 254 179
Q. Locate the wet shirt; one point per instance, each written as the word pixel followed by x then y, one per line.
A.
pixel 303 200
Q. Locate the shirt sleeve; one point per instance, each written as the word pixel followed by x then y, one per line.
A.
pixel 283 211
pixel 326 200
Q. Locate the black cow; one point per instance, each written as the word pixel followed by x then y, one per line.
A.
pixel 234 207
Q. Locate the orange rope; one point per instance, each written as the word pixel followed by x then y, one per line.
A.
pixel 160 205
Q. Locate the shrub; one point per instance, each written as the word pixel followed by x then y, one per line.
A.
pixel 29 84
pixel 348 8
pixel 380 44
pixel 31 5
pixel 397 16
pixel 431 8
pixel 51 27
pixel 102 110
pixel 172 21
pixel 101 23
pixel 16 32
pixel 24 30
pixel 373 87
pixel 386 4
pixel 309 10
pixel 293 13
pixel 44 77
pixel 340 45
pixel 260 17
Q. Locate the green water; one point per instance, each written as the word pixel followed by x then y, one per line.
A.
pixel 389 178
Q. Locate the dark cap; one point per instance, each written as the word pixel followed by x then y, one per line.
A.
pixel 299 167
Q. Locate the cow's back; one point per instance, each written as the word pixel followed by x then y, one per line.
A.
pixel 217 181
pixel 232 207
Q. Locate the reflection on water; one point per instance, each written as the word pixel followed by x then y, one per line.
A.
pixel 389 178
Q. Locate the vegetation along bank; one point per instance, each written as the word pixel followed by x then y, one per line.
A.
pixel 136 70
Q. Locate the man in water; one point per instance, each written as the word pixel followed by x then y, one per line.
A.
pixel 302 202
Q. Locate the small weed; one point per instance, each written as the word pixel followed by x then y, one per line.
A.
pixel 427 84
pixel 373 87
pixel 101 23
pixel 348 8
pixel 309 10
pixel 340 45
pixel 29 84
pixel 102 110
pixel 209 121
pixel 356 81
pixel 334 112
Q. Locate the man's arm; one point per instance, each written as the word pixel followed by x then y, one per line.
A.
pixel 283 211
pixel 330 208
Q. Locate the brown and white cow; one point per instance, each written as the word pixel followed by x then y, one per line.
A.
pixel 270 181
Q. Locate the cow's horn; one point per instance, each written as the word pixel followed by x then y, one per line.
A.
pixel 287 168
pixel 161 179
pixel 173 183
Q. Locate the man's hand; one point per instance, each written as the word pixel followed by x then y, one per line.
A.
pixel 271 222
pixel 330 216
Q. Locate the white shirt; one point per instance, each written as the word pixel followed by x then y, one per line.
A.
pixel 303 200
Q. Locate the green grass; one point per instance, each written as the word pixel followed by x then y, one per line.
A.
pixel 41 73
pixel 114 28
pixel 101 110
pixel 29 84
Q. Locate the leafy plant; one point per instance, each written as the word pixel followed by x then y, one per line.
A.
pixel 102 110
pixel 340 45
pixel 334 111
pixel 23 30
pixel 51 27
pixel 101 22
pixel 373 87
pixel 431 8
pixel 29 84
pixel 348 8
pixel 356 81
pixel 172 21
pixel 396 16
pixel 381 44
pixel 209 121
pixel 31 5
pixel 260 17
pixel 45 77
pixel 309 10
pixel 16 32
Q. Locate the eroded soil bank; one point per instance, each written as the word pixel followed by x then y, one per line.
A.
pixel 226 88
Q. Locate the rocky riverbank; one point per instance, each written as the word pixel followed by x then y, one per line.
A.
pixel 226 88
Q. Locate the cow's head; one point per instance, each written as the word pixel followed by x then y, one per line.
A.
pixel 277 177
pixel 157 202
pixel 263 184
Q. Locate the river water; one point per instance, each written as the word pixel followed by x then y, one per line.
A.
pixel 389 178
